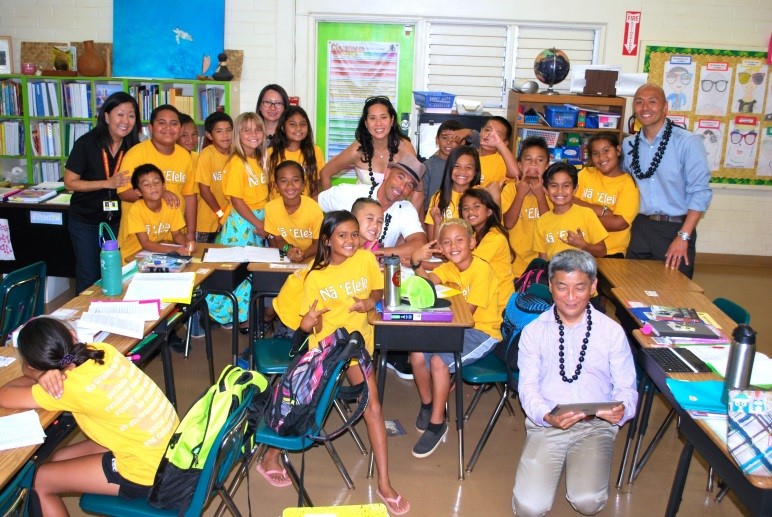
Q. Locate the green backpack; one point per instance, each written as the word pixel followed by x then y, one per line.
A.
pixel 191 443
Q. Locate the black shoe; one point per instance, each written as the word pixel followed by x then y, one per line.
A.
pixel 403 369
pixel 177 344
pixel 429 441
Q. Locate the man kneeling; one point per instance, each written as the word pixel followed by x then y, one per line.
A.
pixel 571 354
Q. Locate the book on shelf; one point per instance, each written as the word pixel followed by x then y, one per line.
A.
pixel 682 314
pixel 63 198
pixel 103 91
pixel 57 186
pixel 404 312
pixel 31 196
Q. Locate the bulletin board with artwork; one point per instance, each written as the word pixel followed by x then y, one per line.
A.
pixel 726 97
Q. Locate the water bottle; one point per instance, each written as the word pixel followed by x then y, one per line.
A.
pixel 110 262
pixel 740 362
pixel 391 281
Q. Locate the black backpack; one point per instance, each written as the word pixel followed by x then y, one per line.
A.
pixel 521 309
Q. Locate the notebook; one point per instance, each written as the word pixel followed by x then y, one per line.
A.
pixel 679 329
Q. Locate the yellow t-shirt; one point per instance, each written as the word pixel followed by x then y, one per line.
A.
pixel 177 169
pixel 494 249
pixel 290 298
pixel 297 156
pixel 298 229
pixel 478 286
pixel 492 168
pixel 248 183
pixel 119 407
pixel 619 194
pixel 551 227
pixel 209 172
pixel 158 226
pixel 335 287
pixel 450 212
pixel 521 235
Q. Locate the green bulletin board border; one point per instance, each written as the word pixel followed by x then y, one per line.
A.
pixel 693 51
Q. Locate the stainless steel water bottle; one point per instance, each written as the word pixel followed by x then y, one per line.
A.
pixel 740 363
pixel 391 281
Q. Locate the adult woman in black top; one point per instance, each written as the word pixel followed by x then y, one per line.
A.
pixel 93 172
pixel 271 103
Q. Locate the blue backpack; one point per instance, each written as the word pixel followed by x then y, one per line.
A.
pixel 522 308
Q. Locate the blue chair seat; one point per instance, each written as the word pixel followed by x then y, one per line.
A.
pixel 271 355
pixel 488 370
pixel 108 505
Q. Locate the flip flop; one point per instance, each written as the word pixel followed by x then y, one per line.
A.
pixel 393 504
pixel 268 473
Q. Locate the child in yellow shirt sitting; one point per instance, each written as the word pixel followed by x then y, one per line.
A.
pixel 150 220
pixel 567 225
pixel 478 283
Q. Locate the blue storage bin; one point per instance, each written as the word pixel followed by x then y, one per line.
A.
pixel 441 100
pixel 560 116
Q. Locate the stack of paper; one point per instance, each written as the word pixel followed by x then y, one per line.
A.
pixel 20 430
pixel 169 287
pixel 124 318
pixel 717 358
pixel 242 254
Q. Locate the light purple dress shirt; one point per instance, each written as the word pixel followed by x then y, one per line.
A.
pixel 608 371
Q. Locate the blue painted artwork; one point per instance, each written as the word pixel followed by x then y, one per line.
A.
pixel 168 38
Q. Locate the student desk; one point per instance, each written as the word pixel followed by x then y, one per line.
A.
pixel 644 274
pixel 424 336
pixel 267 280
pixel 754 492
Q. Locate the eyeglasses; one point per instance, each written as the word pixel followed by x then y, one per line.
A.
pixel 736 137
pixel 758 77
pixel 708 85
pixel 272 104
pixel 376 98
pixel 672 77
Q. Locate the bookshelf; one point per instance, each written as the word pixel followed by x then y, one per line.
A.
pixel 41 117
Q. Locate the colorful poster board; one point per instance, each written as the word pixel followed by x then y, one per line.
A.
pixel 726 97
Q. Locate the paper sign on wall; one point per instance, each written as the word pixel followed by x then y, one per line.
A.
pixel 6 248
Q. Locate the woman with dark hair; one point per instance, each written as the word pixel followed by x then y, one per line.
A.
pixel 93 172
pixel 271 103
pixel 378 142
pixel 125 416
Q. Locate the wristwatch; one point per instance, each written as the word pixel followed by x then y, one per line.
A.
pixel 415 266
pixel 684 236
pixel 219 213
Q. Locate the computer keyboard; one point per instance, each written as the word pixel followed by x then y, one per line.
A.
pixel 677 360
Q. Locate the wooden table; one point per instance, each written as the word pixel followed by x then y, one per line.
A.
pixel 424 336
pixel 755 492
pixel 644 274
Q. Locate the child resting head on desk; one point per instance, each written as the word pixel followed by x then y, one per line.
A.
pixel 150 220
pixel 126 417
pixel 478 284
pixel 342 285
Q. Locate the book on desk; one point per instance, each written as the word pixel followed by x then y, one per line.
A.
pixel 405 312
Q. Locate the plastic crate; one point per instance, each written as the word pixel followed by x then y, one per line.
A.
pixel 531 119
pixel 550 136
pixel 440 100
pixel 560 116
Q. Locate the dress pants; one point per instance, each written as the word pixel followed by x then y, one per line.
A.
pixel 649 240
pixel 584 450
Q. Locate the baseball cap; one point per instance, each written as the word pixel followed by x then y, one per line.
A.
pixel 411 165
pixel 419 293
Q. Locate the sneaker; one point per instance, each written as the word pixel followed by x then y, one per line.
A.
pixel 429 441
pixel 227 326
pixel 422 420
pixel 196 328
pixel 177 344
pixel 403 370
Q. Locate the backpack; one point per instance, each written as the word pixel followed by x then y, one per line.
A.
pixel 190 445
pixel 292 410
pixel 535 273
pixel 521 309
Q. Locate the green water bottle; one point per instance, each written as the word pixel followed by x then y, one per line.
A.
pixel 110 264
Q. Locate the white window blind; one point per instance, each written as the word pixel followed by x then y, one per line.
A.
pixel 468 60
pixel 579 44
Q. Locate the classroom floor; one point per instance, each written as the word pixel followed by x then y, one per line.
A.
pixel 431 484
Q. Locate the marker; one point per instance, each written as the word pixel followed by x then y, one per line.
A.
pixel 147 339
pixel 135 357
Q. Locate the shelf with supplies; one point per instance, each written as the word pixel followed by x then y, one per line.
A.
pixel 42 117
pixel 565 121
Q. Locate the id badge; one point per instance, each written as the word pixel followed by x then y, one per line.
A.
pixel 110 206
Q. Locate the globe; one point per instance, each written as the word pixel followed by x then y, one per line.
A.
pixel 551 66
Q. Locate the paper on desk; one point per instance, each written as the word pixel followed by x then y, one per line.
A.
pixel 172 287
pixel 445 292
pixel 123 325
pixel 717 357
pixel 20 430
pixel 5 361
pixel 242 254
pixel 146 310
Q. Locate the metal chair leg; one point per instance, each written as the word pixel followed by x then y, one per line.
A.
pixel 500 387
pixel 293 475
pixel 709 488
pixel 642 387
pixel 351 430
pixel 473 403
pixel 721 493
pixel 653 445
pixel 642 426
pixel 339 465
pixel 487 432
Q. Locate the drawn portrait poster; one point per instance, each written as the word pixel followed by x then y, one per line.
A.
pixel 713 91
pixel 712 132
pixel 742 142
pixel 750 87
pixel 765 156
pixel 679 83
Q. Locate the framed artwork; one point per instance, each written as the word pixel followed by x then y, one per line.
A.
pixel 6 55
pixel 175 39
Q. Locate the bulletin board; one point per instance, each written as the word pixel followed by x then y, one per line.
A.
pixel 725 96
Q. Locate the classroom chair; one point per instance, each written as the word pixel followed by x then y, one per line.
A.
pixel 14 499
pixel 488 371
pixel 267 437
pixel 23 297
pixel 227 450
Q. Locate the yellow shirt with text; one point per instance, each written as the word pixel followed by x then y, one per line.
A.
pixel 452 211
pixel 521 235
pixel 492 168
pixel 209 172
pixel 494 249
pixel 551 227
pixel 157 225
pixel 246 181
pixel 298 229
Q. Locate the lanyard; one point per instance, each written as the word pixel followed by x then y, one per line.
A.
pixel 118 161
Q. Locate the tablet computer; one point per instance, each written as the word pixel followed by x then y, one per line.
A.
pixel 588 408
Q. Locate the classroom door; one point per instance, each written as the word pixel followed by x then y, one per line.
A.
pixel 356 61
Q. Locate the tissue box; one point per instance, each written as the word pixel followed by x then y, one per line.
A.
pixel 602 120
pixel 468 106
